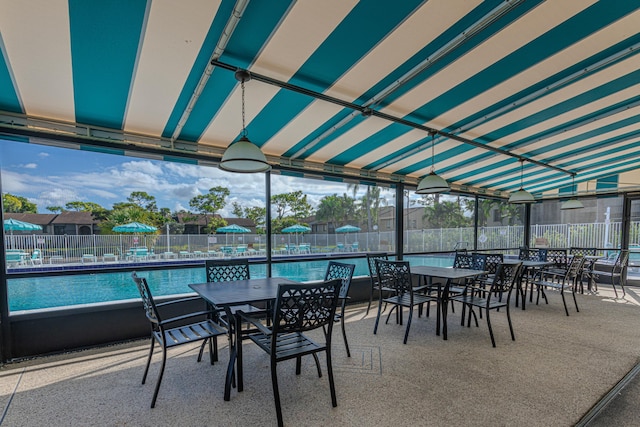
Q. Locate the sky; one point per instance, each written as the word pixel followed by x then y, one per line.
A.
pixel 52 176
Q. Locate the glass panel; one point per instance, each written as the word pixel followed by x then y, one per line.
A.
pixel 77 197
pixel 597 225
pixel 440 222
pixel 500 224
pixel 329 217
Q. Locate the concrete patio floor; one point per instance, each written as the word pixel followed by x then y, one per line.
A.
pixel 558 368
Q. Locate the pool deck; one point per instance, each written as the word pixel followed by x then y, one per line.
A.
pixel 554 374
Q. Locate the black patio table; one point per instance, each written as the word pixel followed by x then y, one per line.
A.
pixel 449 274
pixel 233 293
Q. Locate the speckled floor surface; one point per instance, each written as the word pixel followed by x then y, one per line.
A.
pixel 554 372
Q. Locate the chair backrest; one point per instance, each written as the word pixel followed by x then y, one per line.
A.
pixel 227 270
pixel 621 260
pixel 371 262
pixel 492 262
pixel 542 254
pixel 463 260
pixel 575 266
pixel 582 251
pixel 557 256
pixel 507 275
pixel 344 272
pixel 36 254
pixel 302 307
pixel 395 275
pixel 479 261
pixel 147 300
pixel 523 253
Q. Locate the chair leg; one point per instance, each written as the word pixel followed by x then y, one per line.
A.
pixel 375 328
pixel 513 336
pixel 204 343
pixel 146 369
pixel 575 302
pixel 276 392
pixel 315 357
pixel 164 362
pixel 332 386
pixel 344 335
pixel 564 301
pixel 370 299
pixel 493 341
pixel 406 333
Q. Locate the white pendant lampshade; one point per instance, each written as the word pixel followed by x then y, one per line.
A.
pixel 243 156
pixel 432 183
pixel 572 203
pixel 521 196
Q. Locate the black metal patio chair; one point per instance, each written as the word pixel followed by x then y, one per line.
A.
pixel 298 309
pixel 175 331
pixel 344 272
pixel 496 297
pixel 561 281
pixel 396 275
pixel 373 274
pixel 617 273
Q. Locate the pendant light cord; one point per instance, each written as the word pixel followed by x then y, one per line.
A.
pixel 244 129
pixel 433 137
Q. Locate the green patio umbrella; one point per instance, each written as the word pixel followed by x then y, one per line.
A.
pixel 296 228
pixel 232 229
pixel 12 225
pixel 347 229
pixel 134 227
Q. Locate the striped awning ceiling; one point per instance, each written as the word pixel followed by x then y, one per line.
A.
pixel 555 82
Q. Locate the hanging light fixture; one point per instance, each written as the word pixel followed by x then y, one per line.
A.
pixel 243 155
pixel 432 183
pixel 573 202
pixel 521 196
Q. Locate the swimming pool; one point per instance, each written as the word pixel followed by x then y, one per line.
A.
pixel 60 291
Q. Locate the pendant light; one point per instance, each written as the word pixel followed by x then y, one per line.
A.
pixel 243 155
pixel 432 183
pixel 521 196
pixel 573 202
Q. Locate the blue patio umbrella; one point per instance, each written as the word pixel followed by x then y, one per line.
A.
pixel 296 228
pixel 15 225
pixel 347 229
pixel 232 229
pixel 134 227
pixel 12 225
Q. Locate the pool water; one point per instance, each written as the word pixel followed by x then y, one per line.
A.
pixel 59 291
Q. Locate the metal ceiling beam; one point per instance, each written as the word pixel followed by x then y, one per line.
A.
pixel 366 111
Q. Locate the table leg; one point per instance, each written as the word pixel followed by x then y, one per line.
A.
pixel 238 345
pixel 445 303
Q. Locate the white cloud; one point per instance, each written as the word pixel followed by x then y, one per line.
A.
pixel 43 154
pixel 30 166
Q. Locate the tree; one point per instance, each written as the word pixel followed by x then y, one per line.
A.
pixel 210 203
pixel 144 200
pixel 83 206
pixel 330 209
pixel 292 204
pixel 237 210
pixel 55 209
pixel 18 204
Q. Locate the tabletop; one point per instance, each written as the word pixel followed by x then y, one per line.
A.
pixel 445 272
pixel 238 292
